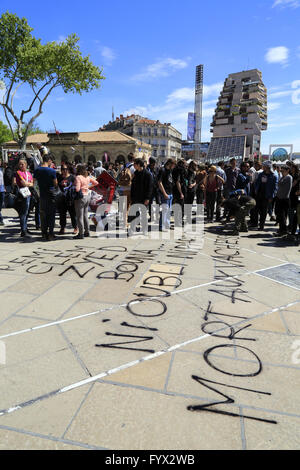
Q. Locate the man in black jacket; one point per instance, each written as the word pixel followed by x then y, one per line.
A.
pixel 141 192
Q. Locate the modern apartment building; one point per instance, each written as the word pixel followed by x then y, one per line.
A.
pixel 242 109
pixel 164 138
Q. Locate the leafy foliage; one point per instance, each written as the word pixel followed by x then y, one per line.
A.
pixel 5 134
pixel 44 67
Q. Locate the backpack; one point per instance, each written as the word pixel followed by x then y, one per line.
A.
pixel 125 177
pixel 70 194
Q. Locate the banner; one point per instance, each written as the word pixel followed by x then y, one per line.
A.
pixel 191 126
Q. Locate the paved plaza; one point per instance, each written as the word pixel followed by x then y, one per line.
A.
pixel 135 343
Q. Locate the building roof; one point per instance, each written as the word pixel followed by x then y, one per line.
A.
pixel 88 137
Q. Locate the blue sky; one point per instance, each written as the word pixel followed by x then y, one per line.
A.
pixel 149 51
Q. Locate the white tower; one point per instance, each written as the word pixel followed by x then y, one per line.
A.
pixel 198 109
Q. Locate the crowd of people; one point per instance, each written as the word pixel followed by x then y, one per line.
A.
pixel 247 193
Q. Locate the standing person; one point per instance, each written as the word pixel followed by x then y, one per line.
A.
pixel 220 192
pixel 165 184
pixel 213 183
pixel 232 172
pixel 83 183
pixel 98 170
pixel 191 188
pixel 42 149
pixel 141 192
pixel 124 189
pixel 66 181
pixel 47 181
pixel 282 202
pixel 201 177
pixel 130 164
pixel 2 191
pixel 155 196
pixel 23 179
pixel 294 171
pixel 244 178
pixel 8 178
pixel 180 185
pixel 254 212
pixel 265 189
pixel 231 176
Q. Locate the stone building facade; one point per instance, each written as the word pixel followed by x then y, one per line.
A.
pixel 164 138
pixel 84 147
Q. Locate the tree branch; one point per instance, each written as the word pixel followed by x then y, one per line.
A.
pixel 35 98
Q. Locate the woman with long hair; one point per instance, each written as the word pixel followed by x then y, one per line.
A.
pixel 23 179
pixel 83 183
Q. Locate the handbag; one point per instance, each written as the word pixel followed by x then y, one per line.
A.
pixel 25 192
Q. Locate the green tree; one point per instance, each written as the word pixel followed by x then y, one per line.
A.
pixel 5 134
pixel 44 67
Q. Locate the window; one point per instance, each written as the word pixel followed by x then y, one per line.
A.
pixel 155 131
pixel 149 130
pixel 140 131
pixel 233 129
pixel 154 153
pixel 244 120
pixel 163 132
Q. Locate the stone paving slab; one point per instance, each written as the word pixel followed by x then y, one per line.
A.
pixel 178 328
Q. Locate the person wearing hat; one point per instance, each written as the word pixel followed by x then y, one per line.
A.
pixel 213 184
pixel 265 191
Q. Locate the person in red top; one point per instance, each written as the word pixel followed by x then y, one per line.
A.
pixel 23 179
pixel 83 183
pixel 213 183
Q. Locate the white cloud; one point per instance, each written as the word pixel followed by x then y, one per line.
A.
pixel 177 105
pixel 182 94
pixel 286 4
pixel 277 55
pixel 61 39
pixel 108 54
pixel 273 106
pixel 161 68
pixel 212 90
pixel 188 94
pixel 280 94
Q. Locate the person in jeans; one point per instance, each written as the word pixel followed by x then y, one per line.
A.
pixel 47 182
pixel 165 185
pixel 83 183
pixel 282 203
pixel 23 179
